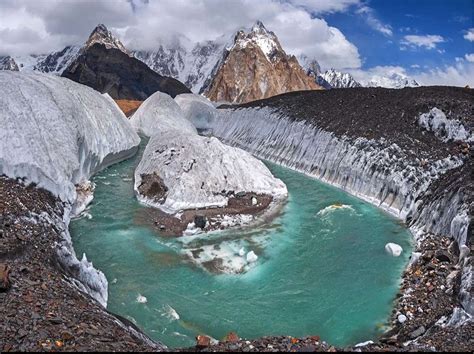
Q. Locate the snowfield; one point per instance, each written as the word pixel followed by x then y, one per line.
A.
pixel 57 133
pixel 197 171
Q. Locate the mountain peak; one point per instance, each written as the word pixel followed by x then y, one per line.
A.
pixel 259 27
pixel 102 35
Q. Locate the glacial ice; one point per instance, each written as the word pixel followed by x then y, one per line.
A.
pixel 393 249
pixel 199 171
pixel 57 133
pixel 445 129
pixel 198 110
pixel 159 114
pixel 374 170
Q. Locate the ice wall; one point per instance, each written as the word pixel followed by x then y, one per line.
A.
pixel 374 170
pixel 57 133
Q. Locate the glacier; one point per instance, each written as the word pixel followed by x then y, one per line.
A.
pixel 57 134
pixel 375 170
pixel 196 171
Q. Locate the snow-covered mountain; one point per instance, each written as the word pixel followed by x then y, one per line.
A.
pixel 337 79
pixel 8 63
pixel 192 64
pixel 57 62
pixel 257 67
pixel 394 80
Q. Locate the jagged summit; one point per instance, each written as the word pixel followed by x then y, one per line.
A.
pixel 102 35
pixel 260 37
pixel 339 79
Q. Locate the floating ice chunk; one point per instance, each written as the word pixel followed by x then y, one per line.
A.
pixel 171 313
pixel 364 344
pixel 402 318
pixel 393 249
pixel 334 207
pixel 242 252
pixel 141 299
pixel 252 257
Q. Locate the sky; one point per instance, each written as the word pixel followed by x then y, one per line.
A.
pixel 429 40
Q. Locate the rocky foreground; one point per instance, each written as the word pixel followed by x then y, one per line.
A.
pixel 40 307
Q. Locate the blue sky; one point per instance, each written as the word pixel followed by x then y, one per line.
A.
pixel 448 19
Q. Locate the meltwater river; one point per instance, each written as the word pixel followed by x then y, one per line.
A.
pixel 322 268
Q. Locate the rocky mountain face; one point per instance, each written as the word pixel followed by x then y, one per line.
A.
pixel 257 67
pixel 112 71
pixel 8 63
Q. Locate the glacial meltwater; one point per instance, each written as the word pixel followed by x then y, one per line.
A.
pixel 322 268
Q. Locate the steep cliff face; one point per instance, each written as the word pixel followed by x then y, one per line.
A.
pixel 257 67
pixel 110 70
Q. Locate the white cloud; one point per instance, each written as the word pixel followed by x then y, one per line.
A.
pixel 374 22
pixel 470 57
pixel 458 74
pixel 377 73
pixel 43 26
pixel 469 35
pixel 428 41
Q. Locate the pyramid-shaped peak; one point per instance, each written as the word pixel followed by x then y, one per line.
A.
pixel 259 27
pixel 102 35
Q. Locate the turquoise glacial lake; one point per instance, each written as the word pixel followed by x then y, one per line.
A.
pixel 322 267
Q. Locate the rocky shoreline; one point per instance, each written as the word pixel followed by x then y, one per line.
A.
pixel 42 309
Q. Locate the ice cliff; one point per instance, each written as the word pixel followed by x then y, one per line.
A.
pixel 191 171
pixel 57 134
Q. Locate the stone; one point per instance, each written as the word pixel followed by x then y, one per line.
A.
pixel 443 256
pixel 200 221
pixel 418 332
pixel 393 249
pixel 231 337
pixel 4 277
pixel 203 341
pixel 254 201
pixel 241 194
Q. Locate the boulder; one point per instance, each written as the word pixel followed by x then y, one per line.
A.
pixel 200 221
pixel 231 337
pixel 393 249
pixel 443 256
pixel 203 341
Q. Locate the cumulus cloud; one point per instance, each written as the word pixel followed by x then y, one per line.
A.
pixel 427 41
pixel 378 73
pixel 42 26
pixel 458 74
pixel 470 57
pixel 374 22
pixel 469 35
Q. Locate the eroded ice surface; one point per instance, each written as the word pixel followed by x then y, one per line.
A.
pixel 57 133
pixel 197 171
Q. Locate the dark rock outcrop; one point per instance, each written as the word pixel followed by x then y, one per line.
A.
pixel 112 71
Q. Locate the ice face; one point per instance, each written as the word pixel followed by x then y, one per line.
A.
pixel 445 129
pixel 57 133
pixel 158 114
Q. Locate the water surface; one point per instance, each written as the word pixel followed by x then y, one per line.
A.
pixel 322 270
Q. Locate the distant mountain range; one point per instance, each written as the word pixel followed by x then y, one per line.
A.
pixel 247 65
